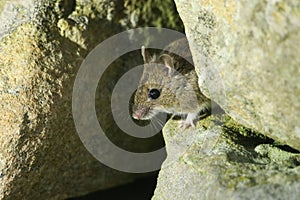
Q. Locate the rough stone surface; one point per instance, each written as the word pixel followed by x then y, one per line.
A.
pixel 220 159
pixel 42 46
pixel 14 13
pixel 247 57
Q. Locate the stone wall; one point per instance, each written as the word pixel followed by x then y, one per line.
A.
pixel 246 55
pixel 247 58
pixel 42 45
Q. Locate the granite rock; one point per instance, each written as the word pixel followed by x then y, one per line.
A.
pixel 42 46
pixel 220 159
pixel 247 57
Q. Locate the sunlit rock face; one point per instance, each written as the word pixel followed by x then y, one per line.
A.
pixel 246 55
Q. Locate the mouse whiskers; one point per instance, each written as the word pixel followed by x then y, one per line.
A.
pixel 157 123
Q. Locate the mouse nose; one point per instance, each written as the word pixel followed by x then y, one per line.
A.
pixel 139 112
pixel 136 116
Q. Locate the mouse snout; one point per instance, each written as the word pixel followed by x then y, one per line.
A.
pixel 140 112
pixel 137 116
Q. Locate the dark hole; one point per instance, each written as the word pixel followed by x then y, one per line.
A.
pixel 287 148
pixel 142 189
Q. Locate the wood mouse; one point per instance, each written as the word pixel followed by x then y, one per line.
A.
pixel 169 84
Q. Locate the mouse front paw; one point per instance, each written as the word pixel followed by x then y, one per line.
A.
pixel 185 124
pixel 189 121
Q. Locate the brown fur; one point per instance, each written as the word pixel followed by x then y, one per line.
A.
pixel 175 77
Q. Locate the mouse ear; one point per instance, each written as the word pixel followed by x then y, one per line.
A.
pixel 168 62
pixel 146 55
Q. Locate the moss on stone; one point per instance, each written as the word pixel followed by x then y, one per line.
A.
pixel 146 12
pixel 225 159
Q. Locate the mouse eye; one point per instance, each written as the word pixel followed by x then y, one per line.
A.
pixel 154 94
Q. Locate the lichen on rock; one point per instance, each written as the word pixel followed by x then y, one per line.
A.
pixel 222 159
pixel 246 57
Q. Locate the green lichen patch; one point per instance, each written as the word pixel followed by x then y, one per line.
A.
pixel 229 157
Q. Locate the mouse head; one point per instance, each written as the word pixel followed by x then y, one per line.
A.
pixel 154 93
